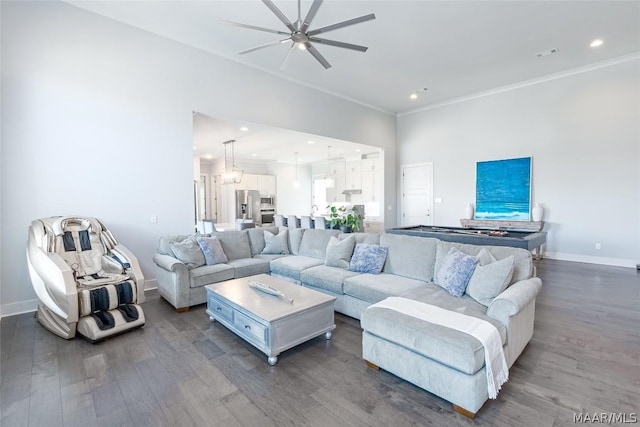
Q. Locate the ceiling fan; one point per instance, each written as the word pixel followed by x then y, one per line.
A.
pixel 299 34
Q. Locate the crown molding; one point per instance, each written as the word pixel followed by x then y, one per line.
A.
pixel 526 83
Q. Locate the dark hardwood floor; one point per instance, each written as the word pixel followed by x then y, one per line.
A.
pixel 181 370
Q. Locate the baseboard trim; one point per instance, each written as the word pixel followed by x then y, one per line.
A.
pixel 150 284
pixel 615 262
pixel 20 307
pixel 30 306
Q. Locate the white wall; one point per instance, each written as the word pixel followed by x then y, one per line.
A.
pixel 583 133
pixel 97 120
pixel 290 200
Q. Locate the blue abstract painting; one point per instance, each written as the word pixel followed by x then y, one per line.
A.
pixel 503 189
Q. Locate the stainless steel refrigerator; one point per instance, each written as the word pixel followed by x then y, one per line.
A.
pixel 248 205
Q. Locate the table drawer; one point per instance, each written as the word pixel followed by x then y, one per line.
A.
pixel 220 309
pixel 250 327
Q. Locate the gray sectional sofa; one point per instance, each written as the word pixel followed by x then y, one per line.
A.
pixel 443 361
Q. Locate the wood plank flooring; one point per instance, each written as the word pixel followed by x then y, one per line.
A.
pixel 182 370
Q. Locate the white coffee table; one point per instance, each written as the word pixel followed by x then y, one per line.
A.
pixel 271 323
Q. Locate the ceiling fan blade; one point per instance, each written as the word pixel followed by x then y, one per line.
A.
pixel 286 58
pixel 262 46
pixel 313 51
pixel 342 24
pixel 339 44
pixel 252 27
pixel 310 15
pixel 279 14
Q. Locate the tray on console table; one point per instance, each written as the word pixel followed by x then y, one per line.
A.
pixel 491 224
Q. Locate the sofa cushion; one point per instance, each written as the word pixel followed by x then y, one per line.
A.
pixel 249 266
pixel 256 238
pixel 339 252
pixel 447 346
pixel 235 243
pixel 455 272
pixel 188 252
pixel 212 250
pixel 410 256
pixel 276 243
pixel 368 258
pixel 325 277
pixel 488 281
pixel 314 242
pixel 291 266
pixel 376 287
pixel 295 238
pixel 209 274
pixel 269 257
pixel 522 259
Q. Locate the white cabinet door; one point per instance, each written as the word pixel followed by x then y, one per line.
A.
pixel 334 194
pixel 353 181
pixel 267 185
pixel 249 182
pixel 371 180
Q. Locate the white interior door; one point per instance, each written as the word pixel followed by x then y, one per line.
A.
pixel 417 194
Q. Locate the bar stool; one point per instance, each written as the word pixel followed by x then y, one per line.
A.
pixel 306 222
pixel 280 220
pixel 293 221
pixel 320 222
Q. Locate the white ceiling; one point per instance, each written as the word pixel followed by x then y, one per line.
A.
pixel 453 48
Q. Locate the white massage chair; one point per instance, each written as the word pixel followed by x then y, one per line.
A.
pixel 85 280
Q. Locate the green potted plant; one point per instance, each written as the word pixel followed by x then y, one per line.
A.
pixel 350 221
pixel 335 216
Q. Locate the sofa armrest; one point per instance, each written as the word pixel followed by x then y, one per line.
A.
pixel 173 280
pixel 514 299
pixel 515 307
pixel 169 263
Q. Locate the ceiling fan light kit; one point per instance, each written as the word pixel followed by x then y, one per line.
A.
pixel 299 34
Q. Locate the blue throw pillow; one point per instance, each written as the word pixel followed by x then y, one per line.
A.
pixel 212 250
pixel 368 258
pixel 456 271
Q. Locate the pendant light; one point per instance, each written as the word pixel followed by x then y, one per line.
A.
pixel 233 175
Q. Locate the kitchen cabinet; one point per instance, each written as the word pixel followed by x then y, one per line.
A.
pixel 248 182
pixel 267 185
pixel 353 176
pixel 334 194
pixel 371 179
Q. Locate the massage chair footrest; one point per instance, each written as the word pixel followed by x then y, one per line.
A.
pixel 88 326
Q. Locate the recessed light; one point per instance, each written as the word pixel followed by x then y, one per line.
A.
pixel 209 156
pixel 311 142
pixel 596 43
pixel 244 129
pixel 357 150
pixel 194 147
pixel 254 154
pixel 413 96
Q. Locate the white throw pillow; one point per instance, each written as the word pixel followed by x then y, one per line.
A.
pixel 276 244
pixel 489 280
pixel 339 252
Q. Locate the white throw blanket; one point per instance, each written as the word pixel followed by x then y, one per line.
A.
pixel 483 331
